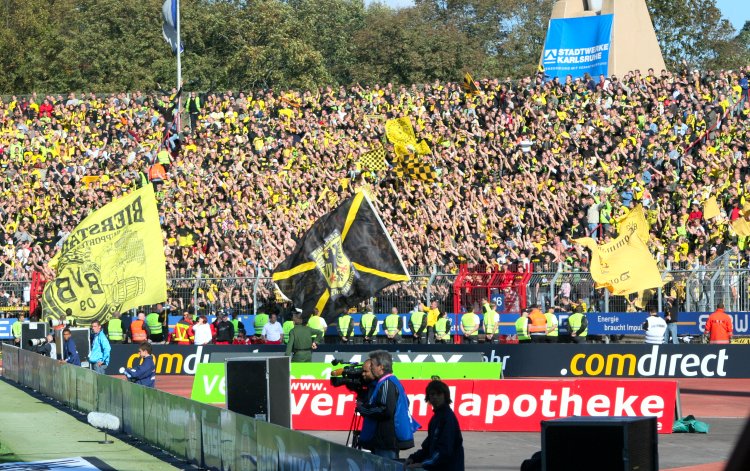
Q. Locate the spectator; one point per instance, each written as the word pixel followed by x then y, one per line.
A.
pixel 272 331
pixel 443 448
pixel 202 331
pixel 69 350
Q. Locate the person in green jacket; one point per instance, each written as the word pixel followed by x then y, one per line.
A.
pixel 301 340
pixel 261 319
pixel 522 327
pixel 369 325
pixel 287 327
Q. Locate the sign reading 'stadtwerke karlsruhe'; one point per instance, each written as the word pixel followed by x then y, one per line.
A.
pixel 575 46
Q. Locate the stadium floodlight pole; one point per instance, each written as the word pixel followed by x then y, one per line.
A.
pixel 179 65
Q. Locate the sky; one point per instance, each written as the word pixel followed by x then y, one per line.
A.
pixel 736 11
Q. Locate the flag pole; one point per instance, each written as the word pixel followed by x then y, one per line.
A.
pixel 179 65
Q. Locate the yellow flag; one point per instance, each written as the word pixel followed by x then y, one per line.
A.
pixel 710 208
pixel 400 131
pixel 741 227
pixel 112 261
pixel 624 265
pixel 634 221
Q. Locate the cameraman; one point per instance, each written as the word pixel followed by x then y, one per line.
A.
pixel 44 346
pixel 387 425
pixel 69 351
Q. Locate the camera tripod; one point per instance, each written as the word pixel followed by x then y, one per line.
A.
pixel 353 434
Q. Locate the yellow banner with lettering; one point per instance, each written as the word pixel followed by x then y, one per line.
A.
pixel 634 221
pixel 623 266
pixel 111 262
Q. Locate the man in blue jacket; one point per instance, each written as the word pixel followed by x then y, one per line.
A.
pixel 99 356
pixel 145 373
pixel 69 351
pixel 387 426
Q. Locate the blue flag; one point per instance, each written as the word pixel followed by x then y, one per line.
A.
pixel 575 46
pixel 169 27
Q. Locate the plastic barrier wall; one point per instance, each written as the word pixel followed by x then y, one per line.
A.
pixel 201 434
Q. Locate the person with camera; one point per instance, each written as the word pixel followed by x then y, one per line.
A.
pixel 145 373
pixel 44 346
pixel 443 448
pixel 69 350
pixel 100 348
pixel 387 425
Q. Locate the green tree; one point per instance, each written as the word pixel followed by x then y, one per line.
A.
pixel 690 30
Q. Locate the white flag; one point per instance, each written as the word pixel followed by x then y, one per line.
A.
pixel 169 27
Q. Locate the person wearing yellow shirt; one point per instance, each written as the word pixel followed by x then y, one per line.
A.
pixel 432 316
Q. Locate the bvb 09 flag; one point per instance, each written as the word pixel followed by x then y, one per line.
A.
pixel 346 257
pixel 111 262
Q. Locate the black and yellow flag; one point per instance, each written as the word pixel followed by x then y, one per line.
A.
pixel 469 86
pixel 346 257
pixel 413 167
pixel 373 160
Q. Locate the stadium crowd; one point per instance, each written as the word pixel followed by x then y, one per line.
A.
pixel 522 168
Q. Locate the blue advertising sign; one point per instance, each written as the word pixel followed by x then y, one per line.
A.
pixel 5 325
pixel 575 46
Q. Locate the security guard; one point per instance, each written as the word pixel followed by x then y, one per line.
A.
pixel 578 325
pixel 393 326
pixel 489 321
pixel 522 327
pixel 16 329
pixel 345 327
pixel 369 325
pixel 261 319
pixel 155 327
pixel 139 329
pixel 183 330
pixel 418 324
pixel 115 332
pixel 237 324
pixel 537 325
pixel 552 327
pixel 319 325
pixel 443 329
pixel 470 327
pixel 287 327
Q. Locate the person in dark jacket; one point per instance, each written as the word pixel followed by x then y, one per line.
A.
pixel 145 373
pixel 443 449
pixel 387 426
pixel 69 351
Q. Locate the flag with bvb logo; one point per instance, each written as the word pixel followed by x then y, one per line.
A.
pixel 346 257
pixel 111 262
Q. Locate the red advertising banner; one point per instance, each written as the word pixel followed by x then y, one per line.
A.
pixel 498 405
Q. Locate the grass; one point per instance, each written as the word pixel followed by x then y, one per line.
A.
pixel 7 455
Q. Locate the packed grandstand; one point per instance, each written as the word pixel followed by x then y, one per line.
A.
pixel 522 168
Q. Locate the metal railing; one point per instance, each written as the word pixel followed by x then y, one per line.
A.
pixel 697 289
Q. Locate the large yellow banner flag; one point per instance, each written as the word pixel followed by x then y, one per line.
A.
pixel 623 266
pixel 634 221
pixel 112 261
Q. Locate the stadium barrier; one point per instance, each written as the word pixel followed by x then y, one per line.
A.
pixel 518 361
pixel 201 434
